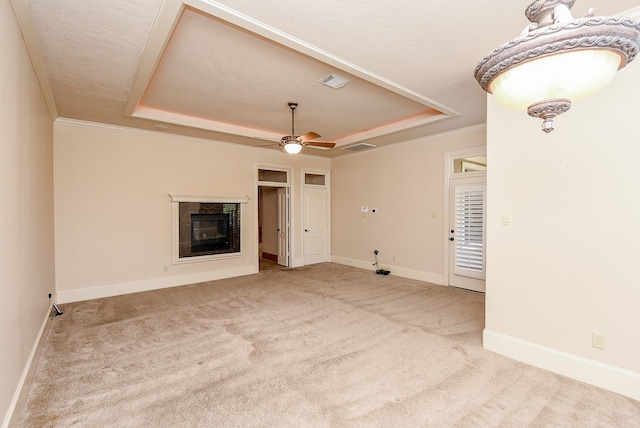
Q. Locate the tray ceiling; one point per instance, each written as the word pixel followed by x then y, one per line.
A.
pixel 225 70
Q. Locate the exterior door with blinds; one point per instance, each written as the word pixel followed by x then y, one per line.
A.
pixel 467 233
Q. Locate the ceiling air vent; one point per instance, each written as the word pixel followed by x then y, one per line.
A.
pixel 359 147
pixel 334 81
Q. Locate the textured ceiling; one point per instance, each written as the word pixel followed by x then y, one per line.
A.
pixel 225 70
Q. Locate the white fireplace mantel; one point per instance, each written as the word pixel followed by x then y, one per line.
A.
pixel 209 199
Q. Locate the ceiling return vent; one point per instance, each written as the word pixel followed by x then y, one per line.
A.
pixel 334 81
pixel 359 147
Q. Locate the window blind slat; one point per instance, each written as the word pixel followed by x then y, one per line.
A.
pixel 470 227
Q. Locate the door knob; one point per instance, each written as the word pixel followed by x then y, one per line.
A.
pixel 451 239
pixel 306 230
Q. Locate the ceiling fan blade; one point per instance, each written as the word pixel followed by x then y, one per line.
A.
pixel 326 144
pixel 308 136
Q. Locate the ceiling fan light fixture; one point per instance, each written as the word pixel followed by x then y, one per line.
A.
pixel 293 148
pixel 334 81
pixel 558 60
pixel 293 143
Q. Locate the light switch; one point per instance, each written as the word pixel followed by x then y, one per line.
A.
pixel 506 219
pixel 364 209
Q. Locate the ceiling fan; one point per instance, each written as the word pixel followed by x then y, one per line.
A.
pixel 293 143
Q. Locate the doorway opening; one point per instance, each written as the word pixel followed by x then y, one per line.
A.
pixel 274 219
pixel 273 225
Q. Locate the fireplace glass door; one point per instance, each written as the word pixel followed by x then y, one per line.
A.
pixel 208 229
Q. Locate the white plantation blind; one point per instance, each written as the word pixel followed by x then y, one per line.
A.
pixel 469 230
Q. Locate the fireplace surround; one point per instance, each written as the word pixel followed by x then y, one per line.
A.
pixel 207 227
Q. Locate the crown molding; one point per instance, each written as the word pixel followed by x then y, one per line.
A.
pixel 420 140
pixel 632 13
pixel 167 20
pixel 23 17
pixel 122 128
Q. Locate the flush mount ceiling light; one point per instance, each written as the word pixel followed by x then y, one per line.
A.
pixel 557 59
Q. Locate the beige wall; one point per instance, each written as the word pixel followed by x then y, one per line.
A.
pixel 26 218
pixel 113 213
pixel 405 183
pixel 568 264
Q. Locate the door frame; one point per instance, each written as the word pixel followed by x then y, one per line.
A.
pixel 327 187
pixel 288 184
pixel 475 281
pixel 449 173
pixel 285 221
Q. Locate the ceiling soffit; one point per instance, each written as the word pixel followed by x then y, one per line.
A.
pixel 201 57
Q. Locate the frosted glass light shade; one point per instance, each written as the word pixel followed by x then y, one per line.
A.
pixel 558 60
pixel 572 75
pixel 292 148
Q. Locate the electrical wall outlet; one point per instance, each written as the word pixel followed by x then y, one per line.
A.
pixel 598 340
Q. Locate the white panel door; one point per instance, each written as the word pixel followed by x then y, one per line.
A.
pixel 316 225
pixel 283 226
pixel 467 233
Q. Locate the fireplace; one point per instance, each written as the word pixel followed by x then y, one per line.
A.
pixel 210 232
pixel 206 230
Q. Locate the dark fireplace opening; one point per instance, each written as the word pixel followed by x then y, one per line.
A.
pixel 210 232
pixel 209 229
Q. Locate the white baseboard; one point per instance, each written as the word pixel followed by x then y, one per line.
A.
pixel 77 295
pixel 24 384
pixel 620 381
pixel 432 278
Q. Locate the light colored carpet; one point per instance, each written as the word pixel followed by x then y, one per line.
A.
pixel 320 346
pixel 269 265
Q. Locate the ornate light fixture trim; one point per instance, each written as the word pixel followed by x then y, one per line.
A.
pixel 557 59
